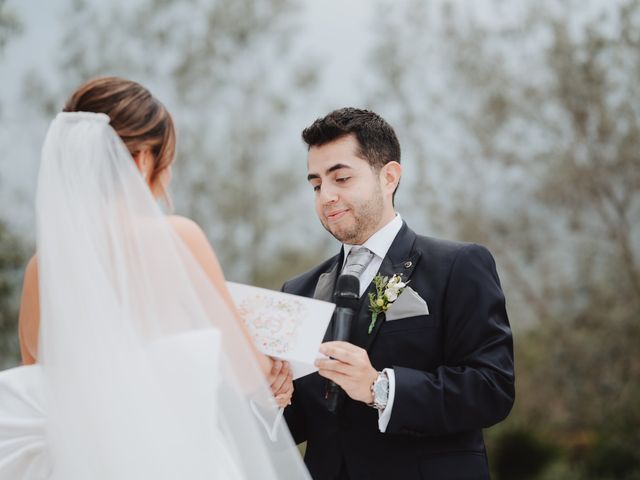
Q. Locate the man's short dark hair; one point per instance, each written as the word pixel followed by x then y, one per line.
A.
pixel 377 142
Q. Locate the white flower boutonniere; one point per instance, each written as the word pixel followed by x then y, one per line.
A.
pixel 387 292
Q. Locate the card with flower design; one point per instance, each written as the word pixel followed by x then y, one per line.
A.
pixel 282 325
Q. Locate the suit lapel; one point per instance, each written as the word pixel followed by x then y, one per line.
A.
pixel 401 260
pixel 405 269
pixel 324 290
pixel 326 284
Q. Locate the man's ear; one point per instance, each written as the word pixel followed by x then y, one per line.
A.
pixel 390 176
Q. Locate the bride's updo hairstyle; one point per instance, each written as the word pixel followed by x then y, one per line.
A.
pixel 141 121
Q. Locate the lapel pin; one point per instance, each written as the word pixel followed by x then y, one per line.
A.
pixel 407 264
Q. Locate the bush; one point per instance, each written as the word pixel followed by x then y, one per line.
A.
pixel 520 454
pixel 611 459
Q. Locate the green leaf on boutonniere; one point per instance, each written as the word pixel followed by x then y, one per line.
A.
pixel 387 292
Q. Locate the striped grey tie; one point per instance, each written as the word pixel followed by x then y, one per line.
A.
pixel 357 261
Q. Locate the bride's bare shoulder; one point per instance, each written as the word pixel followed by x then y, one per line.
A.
pixel 192 235
pixel 186 228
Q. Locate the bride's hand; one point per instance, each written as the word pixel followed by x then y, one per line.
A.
pixel 281 382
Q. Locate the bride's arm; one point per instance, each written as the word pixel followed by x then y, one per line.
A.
pixel 195 239
pixel 29 319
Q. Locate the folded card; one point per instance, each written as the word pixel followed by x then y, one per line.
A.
pixel 284 326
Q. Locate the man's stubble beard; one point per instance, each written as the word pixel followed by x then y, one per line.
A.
pixel 366 220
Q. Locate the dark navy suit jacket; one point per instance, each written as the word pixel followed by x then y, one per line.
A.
pixel 453 369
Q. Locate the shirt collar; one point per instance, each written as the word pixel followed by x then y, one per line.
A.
pixel 380 242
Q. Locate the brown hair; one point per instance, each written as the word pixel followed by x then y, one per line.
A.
pixel 376 139
pixel 141 121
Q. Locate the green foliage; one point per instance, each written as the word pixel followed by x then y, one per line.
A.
pixel 519 454
pixel 12 247
pixel 12 261
pixel 614 460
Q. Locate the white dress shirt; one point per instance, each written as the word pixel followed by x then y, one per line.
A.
pixel 379 243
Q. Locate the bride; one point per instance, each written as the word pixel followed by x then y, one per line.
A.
pixel 137 365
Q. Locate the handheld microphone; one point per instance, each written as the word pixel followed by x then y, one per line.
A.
pixel 347 298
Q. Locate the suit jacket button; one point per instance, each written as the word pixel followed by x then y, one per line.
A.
pixel 408 264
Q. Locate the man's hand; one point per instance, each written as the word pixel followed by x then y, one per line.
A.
pixel 281 381
pixel 349 367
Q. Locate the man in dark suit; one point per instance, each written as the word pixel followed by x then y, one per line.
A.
pixel 436 367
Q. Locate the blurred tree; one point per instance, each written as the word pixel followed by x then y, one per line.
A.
pixel 10 25
pixel 240 84
pixel 12 249
pixel 12 260
pixel 227 73
pixel 522 122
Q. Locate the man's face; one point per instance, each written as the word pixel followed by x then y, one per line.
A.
pixel 349 196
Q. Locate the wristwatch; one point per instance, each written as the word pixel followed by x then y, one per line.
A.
pixel 380 390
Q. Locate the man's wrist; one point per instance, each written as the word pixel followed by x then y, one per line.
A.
pixel 380 391
pixel 372 379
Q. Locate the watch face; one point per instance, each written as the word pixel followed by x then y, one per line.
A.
pixel 381 390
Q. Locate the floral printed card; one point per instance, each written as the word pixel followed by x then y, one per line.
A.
pixel 282 325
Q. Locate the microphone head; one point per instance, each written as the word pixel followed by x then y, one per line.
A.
pixel 347 293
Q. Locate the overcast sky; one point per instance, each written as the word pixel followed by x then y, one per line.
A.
pixel 340 30
pixel 337 35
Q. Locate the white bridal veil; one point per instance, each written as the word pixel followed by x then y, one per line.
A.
pixel 147 374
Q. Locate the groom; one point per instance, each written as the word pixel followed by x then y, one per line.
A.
pixel 436 367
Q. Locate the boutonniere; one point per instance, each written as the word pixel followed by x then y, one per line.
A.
pixel 387 292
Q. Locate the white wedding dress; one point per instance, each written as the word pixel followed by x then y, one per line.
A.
pixel 23 452
pixel 143 372
pixel 188 360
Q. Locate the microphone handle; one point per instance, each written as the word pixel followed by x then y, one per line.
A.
pixel 341 332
